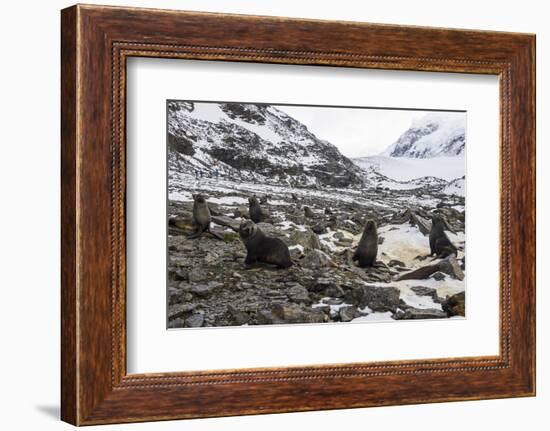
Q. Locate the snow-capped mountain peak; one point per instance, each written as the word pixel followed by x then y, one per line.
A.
pixel 434 135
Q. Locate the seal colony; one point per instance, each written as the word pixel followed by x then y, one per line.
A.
pixel 264 249
pixel 343 259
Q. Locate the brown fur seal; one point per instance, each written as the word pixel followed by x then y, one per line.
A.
pixel 257 214
pixel 367 249
pixel 201 216
pixel 440 245
pixel 262 248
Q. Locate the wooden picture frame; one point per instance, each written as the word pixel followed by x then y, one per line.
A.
pixel 95 43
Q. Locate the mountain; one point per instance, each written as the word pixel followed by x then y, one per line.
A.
pixel 456 187
pixel 407 168
pixel 253 142
pixel 436 134
pixel 375 175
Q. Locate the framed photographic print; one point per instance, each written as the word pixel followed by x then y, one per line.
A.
pixel 321 214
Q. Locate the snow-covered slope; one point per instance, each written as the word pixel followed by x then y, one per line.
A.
pixel 253 142
pixel 407 168
pixel 434 135
pixel 456 187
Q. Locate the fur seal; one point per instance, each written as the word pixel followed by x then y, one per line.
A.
pixel 262 248
pixel 257 214
pixel 367 249
pixel 440 245
pixel 201 216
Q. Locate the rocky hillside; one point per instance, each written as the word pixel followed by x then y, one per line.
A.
pixel 434 135
pixel 253 143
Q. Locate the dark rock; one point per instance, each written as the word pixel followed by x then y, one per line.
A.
pixel 298 293
pixel 426 291
pixel 348 313
pixel 418 313
pixel 376 298
pixel 411 216
pixel 451 267
pixel 321 284
pixel 395 262
pixel 239 317
pixel 438 276
pixel 290 313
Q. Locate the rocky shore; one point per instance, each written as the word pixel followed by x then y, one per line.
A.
pixel 209 285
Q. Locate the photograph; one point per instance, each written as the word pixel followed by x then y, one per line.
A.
pixel 300 214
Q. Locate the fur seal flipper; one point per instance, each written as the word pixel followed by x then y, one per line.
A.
pixel 367 249
pixel 262 248
pixel 440 245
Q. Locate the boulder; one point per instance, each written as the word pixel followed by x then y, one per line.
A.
pixel 298 293
pixel 306 238
pixel 321 284
pixel 194 321
pixel 238 317
pixel 449 266
pixel 426 291
pixel 290 313
pixel 314 259
pixel 375 297
pixel 348 313
pixel 420 313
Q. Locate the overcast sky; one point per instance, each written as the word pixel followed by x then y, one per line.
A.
pixel 356 132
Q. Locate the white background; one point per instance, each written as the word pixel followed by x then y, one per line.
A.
pixel 153 349
pixel 29 219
